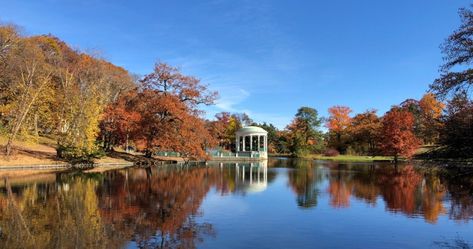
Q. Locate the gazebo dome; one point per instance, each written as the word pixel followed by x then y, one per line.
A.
pixel 251 130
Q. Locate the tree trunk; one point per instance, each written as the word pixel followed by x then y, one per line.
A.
pixel 11 137
pixel 26 108
pixel 36 125
pixel 8 147
pixel 126 143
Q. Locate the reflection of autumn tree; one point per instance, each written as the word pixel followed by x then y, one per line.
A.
pixel 399 188
pixel 166 202
pixel 404 189
pixel 340 187
pixel 303 181
pixel 433 193
pixel 44 217
pixel 154 208
pixel 339 194
pixel 364 185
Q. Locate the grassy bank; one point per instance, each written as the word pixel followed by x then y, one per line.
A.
pixel 41 152
pixel 341 158
pixel 352 158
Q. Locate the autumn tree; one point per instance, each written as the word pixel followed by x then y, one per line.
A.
pixel 426 112
pixel 168 80
pixel 218 128
pixel 119 120
pixel 9 39
pixel 397 136
pixel 87 87
pixel 162 114
pixel 432 110
pixel 303 135
pixel 25 82
pixel 413 106
pixel 338 123
pixel 50 89
pixel 364 131
pixel 225 126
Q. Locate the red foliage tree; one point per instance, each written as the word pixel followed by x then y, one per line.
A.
pixel 119 120
pixel 163 114
pixel 397 134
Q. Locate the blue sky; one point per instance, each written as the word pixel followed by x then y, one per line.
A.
pixel 265 57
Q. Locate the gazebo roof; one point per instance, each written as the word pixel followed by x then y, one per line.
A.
pixel 251 130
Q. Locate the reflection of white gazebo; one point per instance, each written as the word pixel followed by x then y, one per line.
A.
pixel 252 177
pixel 252 139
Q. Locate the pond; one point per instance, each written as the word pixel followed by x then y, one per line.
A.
pixel 281 203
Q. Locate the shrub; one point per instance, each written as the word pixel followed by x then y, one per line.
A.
pixel 75 155
pixel 331 152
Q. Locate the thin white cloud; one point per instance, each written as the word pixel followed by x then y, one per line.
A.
pixel 230 98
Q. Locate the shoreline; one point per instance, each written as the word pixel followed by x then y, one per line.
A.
pixel 375 159
pixel 61 166
pixel 342 159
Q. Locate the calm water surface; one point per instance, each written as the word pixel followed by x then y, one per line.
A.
pixel 278 204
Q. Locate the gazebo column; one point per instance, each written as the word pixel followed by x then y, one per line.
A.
pixel 265 143
pixel 259 142
pixel 251 142
pixel 237 143
pixel 244 148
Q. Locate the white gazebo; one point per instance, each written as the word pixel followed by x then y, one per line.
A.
pixel 252 140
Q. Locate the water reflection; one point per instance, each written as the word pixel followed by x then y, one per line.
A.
pixel 413 191
pixel 304 181
pixel 161 207
pixel 251 177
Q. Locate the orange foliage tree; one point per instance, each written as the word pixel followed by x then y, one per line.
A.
pixel 337 123
pixel 397 134
pixel 432 110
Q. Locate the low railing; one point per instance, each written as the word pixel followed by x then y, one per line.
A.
pixel 225 154
pixel 221 154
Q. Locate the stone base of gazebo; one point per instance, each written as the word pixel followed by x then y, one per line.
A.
pixel 240 156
